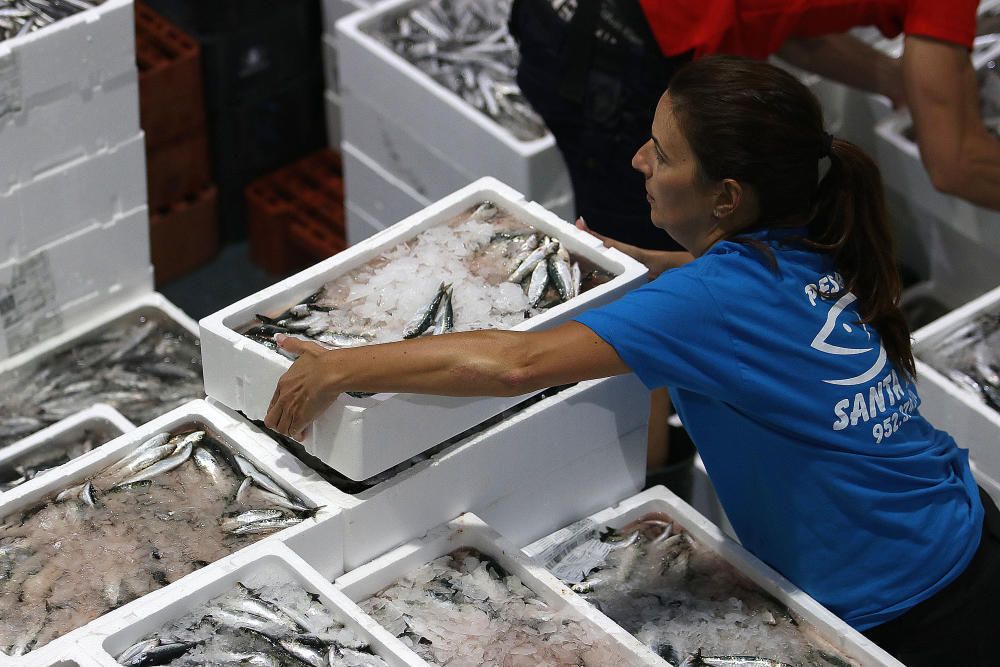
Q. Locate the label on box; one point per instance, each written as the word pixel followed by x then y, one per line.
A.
pixel 571 553
pixel 10 86
pixel 27 305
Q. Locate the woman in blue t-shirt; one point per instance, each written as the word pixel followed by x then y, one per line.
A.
pixel 786 355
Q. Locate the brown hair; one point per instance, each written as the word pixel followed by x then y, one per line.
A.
pixel 757 124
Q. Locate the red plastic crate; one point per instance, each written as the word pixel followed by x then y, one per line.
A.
pixel 295 215
pixel 171 99
pixel 185 236
pixel 176 170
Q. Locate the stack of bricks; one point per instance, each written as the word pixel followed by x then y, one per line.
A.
pixel 296 214
pixel 184 230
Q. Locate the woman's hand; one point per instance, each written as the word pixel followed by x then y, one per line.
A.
pixel 304 391
pixel 657 261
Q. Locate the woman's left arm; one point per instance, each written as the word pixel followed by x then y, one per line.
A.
pixel 480 363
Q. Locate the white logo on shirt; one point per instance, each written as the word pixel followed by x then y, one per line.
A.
pixel 821 343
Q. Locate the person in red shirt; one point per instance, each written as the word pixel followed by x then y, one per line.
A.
pixel 594 70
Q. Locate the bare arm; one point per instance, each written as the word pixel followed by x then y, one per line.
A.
pixel 481 363
pixel 960 155
pixel 847 59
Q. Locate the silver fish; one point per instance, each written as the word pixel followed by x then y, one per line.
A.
pixel 148 458
pixel 343 339
pixel 560 273
pixel 526 249
pixel 538 284
pixel 306 654
pixel 537 255
pixel 245 496
pixel 207 463
pixel 485 211
pixel 231 523
pixel 135 649
pixel 157 440
pixel 423 319
pixel 166 465
pixel 576 278
pixel 267 526
pixel 87 494
pixel 259 478
pixel 445 320
pixel 699 660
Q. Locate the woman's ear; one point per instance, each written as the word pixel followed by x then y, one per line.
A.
pixel 728 199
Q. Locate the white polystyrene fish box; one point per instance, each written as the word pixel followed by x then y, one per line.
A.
pixel 973 423
pixel 316 539
pixel 88 54
pixel 361 437
pixel 469 531
pixel 72 282
pixel 265 564
pixel 571 453
pixel 97 188
pixel 411 99
pixel 101 421
pixel 659 499
pixel 374 190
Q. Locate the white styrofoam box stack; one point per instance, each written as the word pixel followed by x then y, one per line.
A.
pixel 659 499
pixel 372 189
pixel 97 188
pixel 99 417
pixel 63 284
pixel 570 453
pixel 361 437
pixel 973 423
pixel 439 142
pixel 469 531
pixel 262 564
pixel 51 87
pixel 317 540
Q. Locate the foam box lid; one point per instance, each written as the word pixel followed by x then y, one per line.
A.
pixel 363 437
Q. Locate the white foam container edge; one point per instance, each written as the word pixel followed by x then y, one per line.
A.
pixel 99 415
pixel 141 303
pixel 81 50
pixel 830 627
pixel 242 374
pixel 262 562
pixel 318 540
pixel 541 456
pixel 468 530
pixel 414 100
pixel 970 421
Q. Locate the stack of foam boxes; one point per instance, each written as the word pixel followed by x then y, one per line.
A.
pixel 953 245
pixel 184 231
pixel 407 141
pixel 74 235
pixel 334 10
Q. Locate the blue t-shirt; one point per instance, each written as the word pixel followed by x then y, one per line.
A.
pixel 812 439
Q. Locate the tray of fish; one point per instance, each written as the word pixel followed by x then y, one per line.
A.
pixel 60 443
pixel 667 575
pixel 461 281
pixel 172 496
pixel 142 358
pixel 958 375
pixel 266 607
pixel 446 73
pixel 573 451
pixel 464 595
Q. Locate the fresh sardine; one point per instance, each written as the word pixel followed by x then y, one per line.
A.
pixel 423 319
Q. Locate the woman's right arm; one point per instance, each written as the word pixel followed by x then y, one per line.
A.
pixel 479 363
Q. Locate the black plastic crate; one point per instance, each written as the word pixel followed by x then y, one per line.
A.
pixel 249 46
pixel 259 135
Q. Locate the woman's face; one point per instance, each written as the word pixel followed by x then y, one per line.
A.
pixel 680 204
